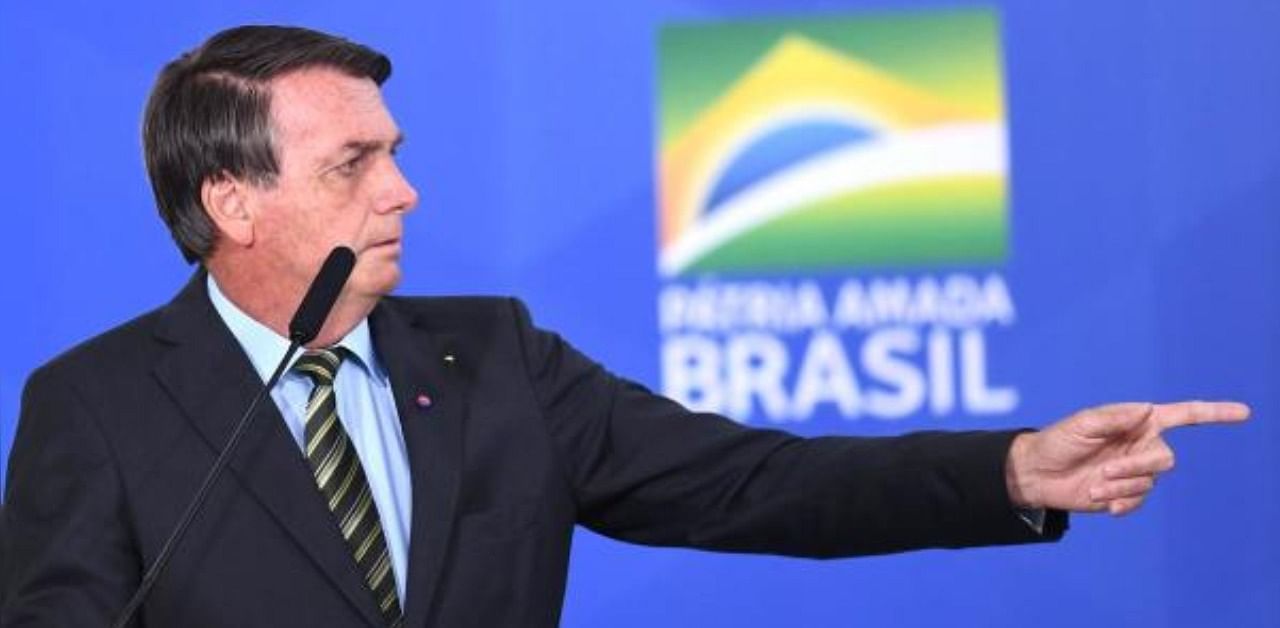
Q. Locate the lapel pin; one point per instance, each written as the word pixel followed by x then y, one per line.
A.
pixel 423 400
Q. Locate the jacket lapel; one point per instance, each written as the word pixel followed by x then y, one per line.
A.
pixel 430 397
pixel 209 376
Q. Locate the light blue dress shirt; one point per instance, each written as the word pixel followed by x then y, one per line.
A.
pixel 366 407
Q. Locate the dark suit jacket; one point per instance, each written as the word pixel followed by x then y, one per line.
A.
pixel 524 438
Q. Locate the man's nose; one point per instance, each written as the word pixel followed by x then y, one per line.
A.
pixel 398 195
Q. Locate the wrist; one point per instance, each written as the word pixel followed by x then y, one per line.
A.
pixel 1019 477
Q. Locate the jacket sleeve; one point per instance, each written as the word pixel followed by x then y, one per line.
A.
pixel 646 470
pixel 70 560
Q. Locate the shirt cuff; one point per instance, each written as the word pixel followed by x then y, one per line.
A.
pixel 1033 517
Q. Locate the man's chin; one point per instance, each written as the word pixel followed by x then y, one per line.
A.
pixel 374 284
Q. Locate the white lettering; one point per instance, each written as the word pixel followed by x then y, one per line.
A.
pixel 978 398
pixel 825 377
pixel 942 396
pixel 756 365
pixel 691 373
pixel 881 359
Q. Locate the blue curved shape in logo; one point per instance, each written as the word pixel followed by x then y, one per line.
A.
pixel 779 150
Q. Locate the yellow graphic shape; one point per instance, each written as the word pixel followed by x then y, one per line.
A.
pixel 797 75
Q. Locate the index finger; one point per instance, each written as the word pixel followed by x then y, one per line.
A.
pixel 1200 412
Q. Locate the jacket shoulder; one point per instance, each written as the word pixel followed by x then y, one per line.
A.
pixel 460 313
pixel 123 348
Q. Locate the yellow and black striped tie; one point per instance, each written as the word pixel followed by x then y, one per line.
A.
pixel 341 480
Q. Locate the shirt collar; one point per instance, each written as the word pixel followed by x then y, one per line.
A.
pixel 265 347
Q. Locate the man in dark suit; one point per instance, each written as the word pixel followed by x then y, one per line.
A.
pixel 426 461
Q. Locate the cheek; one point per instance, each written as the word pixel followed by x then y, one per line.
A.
pixel 286 233
pixel 306 221
pixel 280 227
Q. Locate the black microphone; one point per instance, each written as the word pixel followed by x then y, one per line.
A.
pixel 321 295
pixel 304 327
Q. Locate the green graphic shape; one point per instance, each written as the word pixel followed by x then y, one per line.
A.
pixel 914 224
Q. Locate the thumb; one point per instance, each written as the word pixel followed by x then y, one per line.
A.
pixel 1114 419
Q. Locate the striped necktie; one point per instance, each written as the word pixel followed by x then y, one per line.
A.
pixel 340 478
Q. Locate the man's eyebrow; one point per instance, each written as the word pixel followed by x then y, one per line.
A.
pixel 363 147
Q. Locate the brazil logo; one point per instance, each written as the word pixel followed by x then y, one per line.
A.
pixel 833 217
pixel 866 142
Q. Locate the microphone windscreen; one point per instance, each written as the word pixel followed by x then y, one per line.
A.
pixel 321 296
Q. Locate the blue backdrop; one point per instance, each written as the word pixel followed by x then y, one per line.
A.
pixel 1144 223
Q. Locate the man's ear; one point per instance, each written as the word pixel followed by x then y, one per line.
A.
pixel 226 201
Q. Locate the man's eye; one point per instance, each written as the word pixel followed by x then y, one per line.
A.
pixel 349 167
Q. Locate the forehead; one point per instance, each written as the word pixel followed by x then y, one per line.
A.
pixel 320 110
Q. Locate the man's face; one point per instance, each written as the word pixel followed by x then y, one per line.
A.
pixel 338 182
